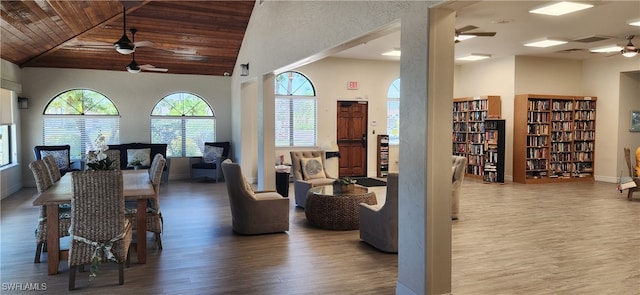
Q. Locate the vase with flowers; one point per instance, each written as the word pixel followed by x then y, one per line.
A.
pixel 98 159
pixel 344 184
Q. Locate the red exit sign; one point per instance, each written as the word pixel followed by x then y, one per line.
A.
pixel 352 85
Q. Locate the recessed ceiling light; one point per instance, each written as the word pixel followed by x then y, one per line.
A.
pixel 561 8
pixel 544 43
pixel 474 57
pixel 393 52
pixel 634 22
pixel 608 48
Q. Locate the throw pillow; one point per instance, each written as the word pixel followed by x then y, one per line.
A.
pixel 142 155
pixel 312 168
pixel 212 154
pixel 61 156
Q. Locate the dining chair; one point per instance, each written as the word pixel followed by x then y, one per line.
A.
pixel 114 155
pixel 100 230
pixel 154 215
pixel 52 168
pixel 43 182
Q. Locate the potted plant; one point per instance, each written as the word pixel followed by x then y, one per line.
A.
pixel 136 163
pixel 344 184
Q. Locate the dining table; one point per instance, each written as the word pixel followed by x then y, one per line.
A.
pixel 137 186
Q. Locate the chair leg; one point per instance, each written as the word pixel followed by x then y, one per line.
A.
pixel 159 241
pixel 121 273
pixel 38 251
pixel 72 277
pixel 630 194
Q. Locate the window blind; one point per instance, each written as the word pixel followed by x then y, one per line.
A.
pixel 296 122
pixel 80 132
pixel 184 136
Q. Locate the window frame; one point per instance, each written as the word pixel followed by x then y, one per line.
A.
pixel 183 118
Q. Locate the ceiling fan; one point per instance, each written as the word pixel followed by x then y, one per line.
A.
pixel 629 50
pixel 134 67
pixel 124 45
pixel 463 33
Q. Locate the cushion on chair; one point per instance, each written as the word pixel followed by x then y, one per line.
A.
pixel 212 154
pixel 203 165
pixel 144 155
pixel 61 156
pixel 312 168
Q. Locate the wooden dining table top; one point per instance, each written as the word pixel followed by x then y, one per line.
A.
pixel 136 185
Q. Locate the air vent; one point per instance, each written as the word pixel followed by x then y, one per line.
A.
pixel 593 38
pixel 571 50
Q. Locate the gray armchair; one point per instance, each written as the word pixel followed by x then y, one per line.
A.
pixel 302 180
pixel 253 212
pixel 379 224
pixel 458 167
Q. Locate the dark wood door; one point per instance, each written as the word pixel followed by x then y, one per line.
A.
pixel 352 138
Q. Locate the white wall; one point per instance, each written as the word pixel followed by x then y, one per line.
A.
pixel 134 95
pixel 617 94
pixel 11 175
pixel 329 77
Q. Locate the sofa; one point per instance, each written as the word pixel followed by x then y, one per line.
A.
pixel 142 151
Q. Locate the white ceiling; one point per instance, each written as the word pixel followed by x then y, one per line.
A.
pixel 514 26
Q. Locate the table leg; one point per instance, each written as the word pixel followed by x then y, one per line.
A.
pixel 53 239
pixel 141 228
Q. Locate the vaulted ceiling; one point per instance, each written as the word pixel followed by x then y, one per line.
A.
pixel 185 37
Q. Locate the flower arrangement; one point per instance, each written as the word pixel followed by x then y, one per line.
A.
pixel 135 162
pixel 345 181
pixel 98 160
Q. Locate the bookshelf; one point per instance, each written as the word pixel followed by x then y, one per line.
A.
pixel 554 138
pixel 469 115
pixel 494 131
pixel 383 155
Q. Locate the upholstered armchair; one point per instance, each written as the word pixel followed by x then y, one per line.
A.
pixel 253 212
pixel 208 165
pixel 309 169
pixel 379 223
pixel 458 167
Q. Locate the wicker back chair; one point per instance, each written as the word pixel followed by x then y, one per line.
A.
pixel 632 174
pixel 154 216
pixel 43 182
pixel 52 168
pixel 114 155
pixel 253 212
pixel 98 222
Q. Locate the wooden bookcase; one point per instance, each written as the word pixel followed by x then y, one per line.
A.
pixel 469 115
pixel 494 131
pixel 554 138
pixel 383 155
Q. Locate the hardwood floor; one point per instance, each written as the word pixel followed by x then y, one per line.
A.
pixel 579 238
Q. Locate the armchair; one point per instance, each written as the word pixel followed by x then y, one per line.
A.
pixel 458 167
pixel 632 171
pixel 309 170
pixel 207 165
pixel 61 153
pixel 253 212
pixel 379 224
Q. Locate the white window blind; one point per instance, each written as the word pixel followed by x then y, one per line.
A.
pixel 184 136
pixel 295 121
pixel 393 112
pixel 80 132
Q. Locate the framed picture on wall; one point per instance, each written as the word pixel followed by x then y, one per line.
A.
pixel 635 121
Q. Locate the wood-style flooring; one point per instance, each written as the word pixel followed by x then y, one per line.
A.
pixel 573 238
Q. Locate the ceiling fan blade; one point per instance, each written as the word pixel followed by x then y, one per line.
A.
pixel 148 67
pixel 144 43
pixel 481 34
pixel 466 28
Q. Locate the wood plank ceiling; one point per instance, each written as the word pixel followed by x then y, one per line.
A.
pixel 187 37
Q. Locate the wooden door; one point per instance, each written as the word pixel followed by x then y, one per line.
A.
pixel 352 138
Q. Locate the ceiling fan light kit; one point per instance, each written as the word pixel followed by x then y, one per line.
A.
pixel 124 45
pixel 629 50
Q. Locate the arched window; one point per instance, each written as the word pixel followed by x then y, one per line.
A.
pixel 295 110
pixel 76 117
pixel 393 112
pixel 184 121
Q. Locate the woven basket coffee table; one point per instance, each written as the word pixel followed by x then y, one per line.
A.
pixel 336 210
